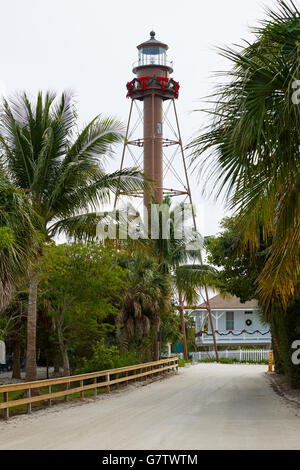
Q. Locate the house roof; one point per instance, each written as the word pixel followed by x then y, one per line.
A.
pixel 229 303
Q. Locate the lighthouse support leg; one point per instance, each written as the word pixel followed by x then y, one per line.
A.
pixel 124 148
pixel 195 227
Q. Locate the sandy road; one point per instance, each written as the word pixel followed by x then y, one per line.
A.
pixel 206 406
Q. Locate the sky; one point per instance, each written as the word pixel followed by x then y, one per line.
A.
pixel 89 47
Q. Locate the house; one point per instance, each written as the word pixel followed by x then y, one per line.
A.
pixel 235 323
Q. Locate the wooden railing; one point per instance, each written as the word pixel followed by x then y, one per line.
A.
pixel 110 377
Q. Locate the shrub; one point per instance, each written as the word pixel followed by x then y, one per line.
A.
pixel 104 358
pixel 183 362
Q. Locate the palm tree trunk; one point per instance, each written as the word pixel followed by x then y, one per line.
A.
pixel 64 351
pixel 211 325
pixel 181 311
pixel 155 343
pixel 16 372
pixel 31 366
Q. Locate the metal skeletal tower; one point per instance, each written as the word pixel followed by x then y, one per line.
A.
pixel 153 87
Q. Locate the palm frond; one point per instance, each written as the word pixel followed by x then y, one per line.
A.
pixel 249 152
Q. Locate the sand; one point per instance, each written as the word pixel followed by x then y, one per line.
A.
pixel 205 406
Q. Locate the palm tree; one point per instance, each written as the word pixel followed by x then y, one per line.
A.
pixel 250 150
pixel 178 257
pixel 181 257
pixel 147 297
pixel 62 172
pixel 18 237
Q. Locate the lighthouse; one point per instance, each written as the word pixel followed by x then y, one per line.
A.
pixel 152 85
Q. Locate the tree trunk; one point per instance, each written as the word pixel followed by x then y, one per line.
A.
pixel 63 350
pixel 55 352
pixel 181 311
pixel 155 343
pixel 16 372
pixel 211 325
pixel 56 363
pixel 31 366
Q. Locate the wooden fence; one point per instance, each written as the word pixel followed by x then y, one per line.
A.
pixel 107 379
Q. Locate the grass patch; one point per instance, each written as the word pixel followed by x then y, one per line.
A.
pixel 183 362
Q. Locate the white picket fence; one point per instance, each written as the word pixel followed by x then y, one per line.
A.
pixel 239 354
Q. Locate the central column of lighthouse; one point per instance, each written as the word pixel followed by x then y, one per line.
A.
pixel 153 151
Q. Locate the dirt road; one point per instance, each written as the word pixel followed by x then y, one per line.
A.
pixel 206 406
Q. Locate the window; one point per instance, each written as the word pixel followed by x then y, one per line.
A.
pixel 248 313
pixel 229 321
pixel 152 55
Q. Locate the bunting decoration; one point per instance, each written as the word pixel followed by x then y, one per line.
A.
pixel 232 333
pixel 143 81
pixel 163 80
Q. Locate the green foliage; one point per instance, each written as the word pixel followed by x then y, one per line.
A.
pixel 105 357
pixel 238 274
pixel 62 170
pixel 190 331
pixel 145 300
pixel 171 328
pixel 81 286
pixel 249 152
pixel 182 362
pixel 238 266
pixel 6 238
pixel 19 239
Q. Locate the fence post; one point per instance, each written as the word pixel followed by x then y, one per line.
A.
pixel 67 388
pixel 29 404
pixel 95 389
pixel 270 361
pixel 81 391
pixel 49 391
pixel 107 386
pixel 6 410
pixel 240 355
pixel 118 385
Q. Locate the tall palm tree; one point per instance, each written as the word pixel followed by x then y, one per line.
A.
pixel 62 172
pixel 250 150
pixel 147 297
pixel 178 257
pixel 181 257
